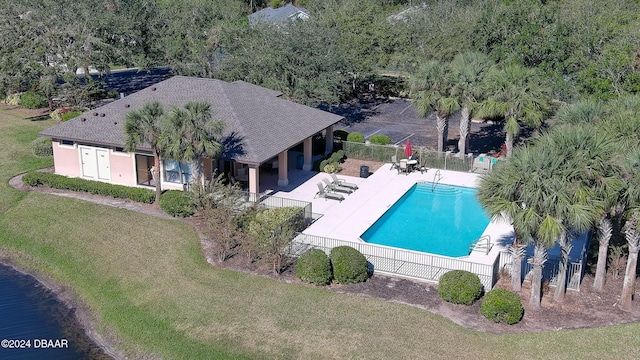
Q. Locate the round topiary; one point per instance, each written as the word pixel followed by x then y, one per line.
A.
pixel 355 137
pixel 177 203
pixel 459 287
pixel 42 147
pixel 314 266
pixel 349 265
pixel 502 305
pixel 380 139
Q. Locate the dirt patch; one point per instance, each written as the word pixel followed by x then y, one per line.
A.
pixel 583 309
pixel 351 167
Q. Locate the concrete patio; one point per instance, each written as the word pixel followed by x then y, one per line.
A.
pixel 348 219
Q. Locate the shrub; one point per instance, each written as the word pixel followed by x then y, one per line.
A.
pixel 349 265
pixel 355 137
pixel 42 147
pixel 380 139
pixel 314 266
pixel 502 305
pixel 459 287
pixel 31 100
pixel 13 99
pixel 36 178
pixel 177 203
pixel 332 163
pixel 272 231
pixel 70 115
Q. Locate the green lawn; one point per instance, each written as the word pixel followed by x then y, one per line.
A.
pixel 145 280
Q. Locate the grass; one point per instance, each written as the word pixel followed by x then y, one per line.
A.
pixel 146 282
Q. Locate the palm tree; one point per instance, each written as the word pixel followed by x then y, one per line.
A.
pixel 468 72
pixel 514 191
pixel 632 235
pixel 144 126
pixel 619 119
pixel 191 134
pixel 633 239
pixel 517 94
pixel 431 90
pixel 498 195
pixel 591 184
pixel 545 193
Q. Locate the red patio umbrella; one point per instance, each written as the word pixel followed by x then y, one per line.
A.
pixel 408 151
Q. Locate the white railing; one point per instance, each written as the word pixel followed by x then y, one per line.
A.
pixel 549 272
pixel 401 262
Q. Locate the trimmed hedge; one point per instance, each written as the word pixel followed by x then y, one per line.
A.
pixel 314 266
pixel 380 139
pixel 459 287
pixel 177 203
pixel 42 147
pixel 500 305
pixel 349 265
pixel 36 178
pixel 355 137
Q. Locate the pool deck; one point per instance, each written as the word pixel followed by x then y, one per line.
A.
pixel 348 219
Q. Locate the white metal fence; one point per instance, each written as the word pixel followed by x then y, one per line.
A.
pixel 401 262
pixel 575 271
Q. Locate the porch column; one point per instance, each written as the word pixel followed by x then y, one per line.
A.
pixel 306 149
pixel 254 181
pixel 283 168
pixel 329 140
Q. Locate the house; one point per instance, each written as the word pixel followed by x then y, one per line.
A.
pixel 279 16
pixel 261 128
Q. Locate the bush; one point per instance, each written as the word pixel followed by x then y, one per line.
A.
pixel 502 305
pixel 380 139
pixel 36 178
pixel 13 99
pixel 177 203
pixel 70 115
pixel 459 287
pixel 332 163
pixel 349 265
pixel 42 147
pixel 31 100
pixel 355 137
pixel 314 266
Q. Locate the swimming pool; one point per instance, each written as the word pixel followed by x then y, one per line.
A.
pixel 441 219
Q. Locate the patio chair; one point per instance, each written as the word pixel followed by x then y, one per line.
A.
pixel 328 195
pixel 342 182
pixel 338 188
pixel 394 162
pixel 403 167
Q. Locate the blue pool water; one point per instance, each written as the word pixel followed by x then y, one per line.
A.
pixel 441 219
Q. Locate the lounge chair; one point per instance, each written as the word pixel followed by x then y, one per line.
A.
pixel 342 182
pixel 328 195
pixel 338 188
pixel 394 162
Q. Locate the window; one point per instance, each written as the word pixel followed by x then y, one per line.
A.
pixel 178 172
pixel 66 142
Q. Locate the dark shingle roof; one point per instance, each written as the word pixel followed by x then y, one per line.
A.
pixel 264 123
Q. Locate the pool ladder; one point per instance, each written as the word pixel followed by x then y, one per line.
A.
pixel 436 179
pixel 482 244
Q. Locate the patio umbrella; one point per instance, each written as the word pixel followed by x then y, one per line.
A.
pixel 408 151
